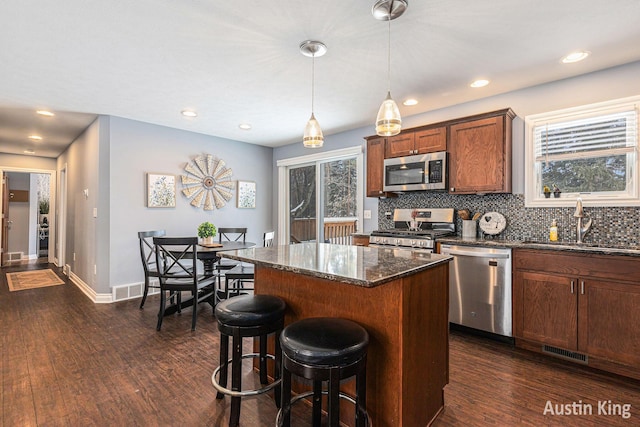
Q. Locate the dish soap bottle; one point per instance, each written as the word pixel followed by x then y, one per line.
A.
pixel 553 231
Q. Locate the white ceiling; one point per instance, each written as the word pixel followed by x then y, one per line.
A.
pixel 238 61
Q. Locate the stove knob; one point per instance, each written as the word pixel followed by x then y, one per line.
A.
pixel 413 243
pixel 398 241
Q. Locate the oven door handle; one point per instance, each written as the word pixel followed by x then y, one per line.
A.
pixel 476 254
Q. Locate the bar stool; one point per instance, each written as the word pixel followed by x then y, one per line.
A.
pixel 240 317
pixel 324 349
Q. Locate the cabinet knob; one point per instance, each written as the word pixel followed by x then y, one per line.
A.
pixel 572 286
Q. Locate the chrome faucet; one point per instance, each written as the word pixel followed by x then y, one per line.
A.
pixel 582 227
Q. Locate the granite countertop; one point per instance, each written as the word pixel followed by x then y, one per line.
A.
pixel 626 250
pixel 355 265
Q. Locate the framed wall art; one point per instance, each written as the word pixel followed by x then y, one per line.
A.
pixel 246 194
pixel 161 190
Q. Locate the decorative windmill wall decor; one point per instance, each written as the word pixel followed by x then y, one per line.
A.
pixel 208 182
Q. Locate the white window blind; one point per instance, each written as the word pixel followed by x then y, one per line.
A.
pixel 604 134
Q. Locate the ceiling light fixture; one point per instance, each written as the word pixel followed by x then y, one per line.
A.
pixel 479 83
pixel 409 102
pixel 35 137
pixel 244 126
pixel 189 113
pixel 45 113
pixel 388 121
pixel 312 137
pixel 575 56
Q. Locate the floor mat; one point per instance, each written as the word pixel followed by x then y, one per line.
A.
pixel 32 279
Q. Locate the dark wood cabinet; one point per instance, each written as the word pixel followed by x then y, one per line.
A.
pixel 548 310
pixel 588 304
pixel 417 142
pixel 360 240
pixel 375 167
pixel 400 145
pixel 480 154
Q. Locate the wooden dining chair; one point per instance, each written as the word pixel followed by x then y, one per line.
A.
pixel 176 258
pixel 237 278
pixel 268 238
pixel 148 255
pixel 229 234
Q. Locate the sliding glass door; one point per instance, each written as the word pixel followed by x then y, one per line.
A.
pixel 323 198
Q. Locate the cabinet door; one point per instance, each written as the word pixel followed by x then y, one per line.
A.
pixel 545 309
pixel 400 145
pixel 478 157
pixel 431 140
pixel 609 320
pixel 375 167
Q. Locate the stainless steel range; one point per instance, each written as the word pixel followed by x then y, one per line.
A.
pixel 415 233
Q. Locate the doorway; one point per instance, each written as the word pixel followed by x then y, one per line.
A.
pixel 28 232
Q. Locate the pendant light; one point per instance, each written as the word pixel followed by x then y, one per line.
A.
pixel 388 121
pixel 313 137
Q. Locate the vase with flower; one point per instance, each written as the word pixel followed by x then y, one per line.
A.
pixel 413 224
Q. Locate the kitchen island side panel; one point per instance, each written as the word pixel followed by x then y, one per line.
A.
pixel 407 362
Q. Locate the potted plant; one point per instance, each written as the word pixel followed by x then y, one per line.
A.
pixel 207 231
pixel 547 191
pixel 43 208
pixel 556 191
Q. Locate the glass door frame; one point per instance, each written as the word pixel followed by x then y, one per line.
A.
pixel 321 157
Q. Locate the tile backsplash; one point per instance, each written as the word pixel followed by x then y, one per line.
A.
pixel 611 225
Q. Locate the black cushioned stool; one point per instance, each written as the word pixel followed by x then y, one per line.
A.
pixel 240 317
pixel 324 349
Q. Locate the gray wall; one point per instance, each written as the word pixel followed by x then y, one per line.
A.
pixel 137 148
pixel 83 167
pixel 617 82
pixel 111 160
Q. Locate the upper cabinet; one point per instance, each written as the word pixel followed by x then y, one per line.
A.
pixel 375 166
pixel 417 142
pixel 480 154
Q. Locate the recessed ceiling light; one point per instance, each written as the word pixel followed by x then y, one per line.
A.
pixel 35 137
pixel 45 113
pixel 409 102
pixel 244 126
pixel 575 56
pixel 479 83
pixel 189 113
pixel 29 152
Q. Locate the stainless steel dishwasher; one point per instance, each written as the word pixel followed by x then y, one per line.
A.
pixel 480 288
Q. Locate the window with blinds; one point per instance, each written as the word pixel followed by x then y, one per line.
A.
pixel 588 152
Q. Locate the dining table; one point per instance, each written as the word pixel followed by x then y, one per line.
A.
pixel 210 254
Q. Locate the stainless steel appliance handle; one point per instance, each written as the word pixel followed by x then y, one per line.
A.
pixel 476 254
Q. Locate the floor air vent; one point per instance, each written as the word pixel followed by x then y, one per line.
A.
pixel 565 354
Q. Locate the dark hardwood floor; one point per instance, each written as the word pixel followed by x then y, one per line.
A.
pixel 68 362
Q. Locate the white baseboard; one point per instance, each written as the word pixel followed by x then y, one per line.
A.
pixel 86 289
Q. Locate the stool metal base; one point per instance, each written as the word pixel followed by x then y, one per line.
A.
pixel 325 392
pixel 246 393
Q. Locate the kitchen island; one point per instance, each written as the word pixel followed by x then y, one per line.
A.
pixel 401 297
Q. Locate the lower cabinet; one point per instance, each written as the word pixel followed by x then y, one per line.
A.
pixel 585 307
pixel 360 240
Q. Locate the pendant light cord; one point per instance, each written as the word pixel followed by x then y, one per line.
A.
pixel 313 78
pixel 389 52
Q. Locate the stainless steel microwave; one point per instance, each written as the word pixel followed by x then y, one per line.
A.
pixel 416 173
